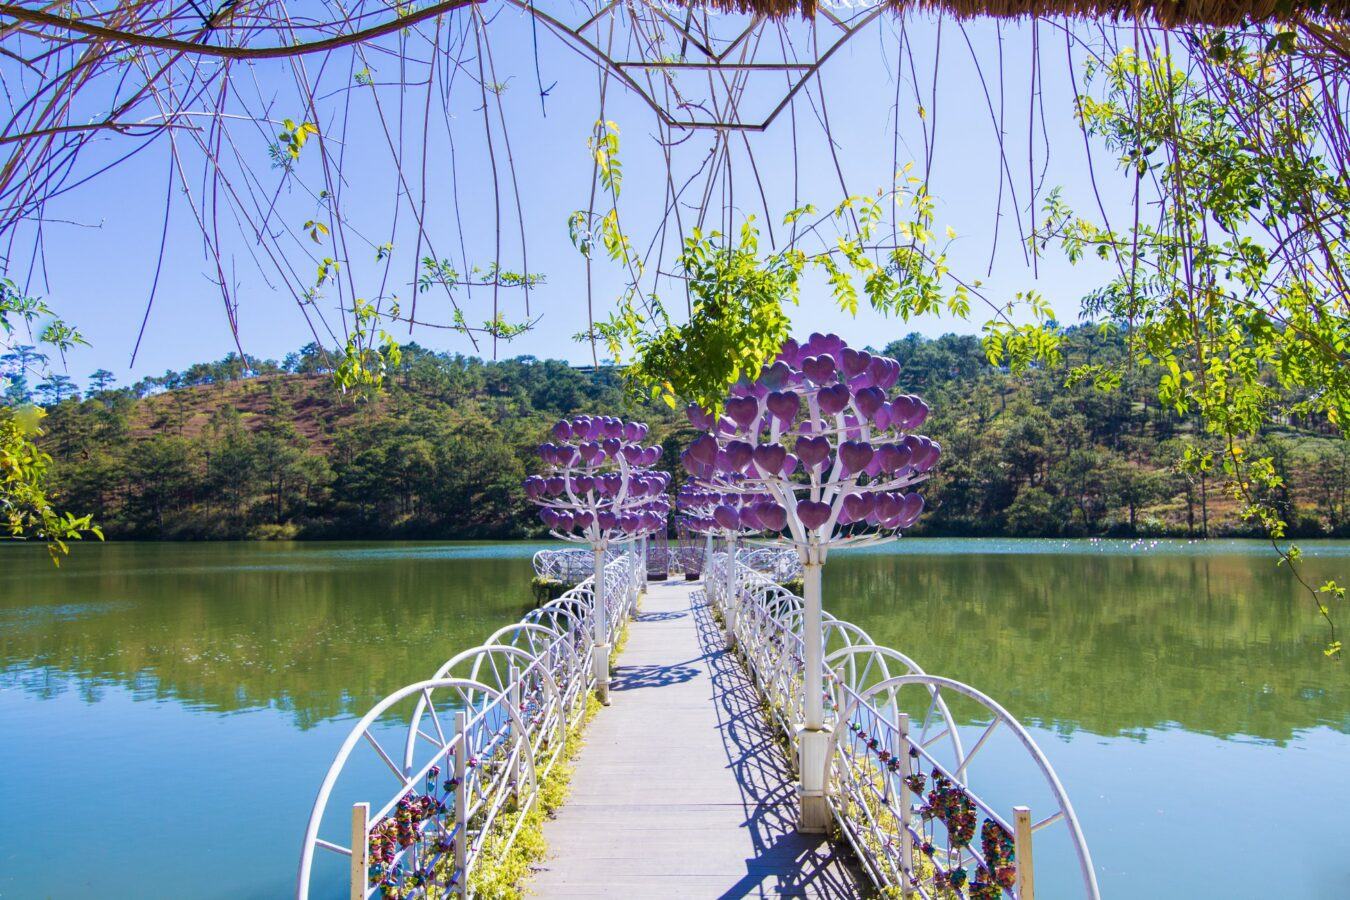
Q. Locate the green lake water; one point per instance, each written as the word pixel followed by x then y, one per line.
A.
pixel 167 711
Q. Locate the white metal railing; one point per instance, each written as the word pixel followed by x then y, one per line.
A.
pixel 778 564
pixel 570 566
pixel 485 728
pixel 899 787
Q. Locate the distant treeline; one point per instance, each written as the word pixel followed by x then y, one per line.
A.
pixel 252 448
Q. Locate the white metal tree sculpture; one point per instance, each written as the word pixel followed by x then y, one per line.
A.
pixel 819 432
pixel 600 490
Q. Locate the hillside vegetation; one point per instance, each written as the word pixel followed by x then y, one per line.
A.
pixel 228 450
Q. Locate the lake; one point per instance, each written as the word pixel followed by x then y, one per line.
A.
pixel 168 710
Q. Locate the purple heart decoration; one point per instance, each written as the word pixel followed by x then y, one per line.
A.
pixel 776 376
pixel 562 431
pixel 589 452
pixel 859 506
pixel 772 517
pixel 882 419
pixel 855 361
pixel 813 451
pixel 770 458
pixel 833 399
pixel 887 507
pixel 931 451
pixel 911 505
pixel 784 405
pixel 919 416
pixel 855 455
pixel 885 372
pixel 902 408
pixel 813 514
pixel 583 484
pixel 895 457
pixel 873 468
pixel 743 410
pixel 727 517
pixel 739 455
pixel 819 369
pixel 790 464
pixel 698 417
pixel 704 449
pixel 869 401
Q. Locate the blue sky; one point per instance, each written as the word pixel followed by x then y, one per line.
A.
pixel 98 273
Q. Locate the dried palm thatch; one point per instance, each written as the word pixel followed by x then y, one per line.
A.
pixel 1215 13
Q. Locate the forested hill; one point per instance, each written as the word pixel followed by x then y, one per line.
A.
pixel 229 450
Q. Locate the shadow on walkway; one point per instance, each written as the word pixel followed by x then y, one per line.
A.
pixel 658 616
pixel 632 678
pixel 786 863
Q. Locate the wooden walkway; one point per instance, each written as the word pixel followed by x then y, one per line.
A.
pixel 680 790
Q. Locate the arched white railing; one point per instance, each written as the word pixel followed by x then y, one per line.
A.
pixel 571 565
pixel 779 564
pixel 483 730
pixel 898 774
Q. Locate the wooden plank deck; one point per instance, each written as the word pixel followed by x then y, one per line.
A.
pixel 680 790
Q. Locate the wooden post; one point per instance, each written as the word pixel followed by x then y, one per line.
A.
pixel 461 805
pixel 906 808
pixel 360 850
pixel 1026 872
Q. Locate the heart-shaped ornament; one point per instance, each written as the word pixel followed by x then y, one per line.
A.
pixel 784 405
pixel 813 514
pixel 833 399
pixel 770 458
pixel 855 455
pixel 743 410
pixel 813 451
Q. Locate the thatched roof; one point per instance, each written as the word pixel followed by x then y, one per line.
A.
pixel 1170 13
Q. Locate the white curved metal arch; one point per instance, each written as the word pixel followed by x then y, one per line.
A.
pixel 408 782
pixel 936 684
pixel 856 681
pixel 499 683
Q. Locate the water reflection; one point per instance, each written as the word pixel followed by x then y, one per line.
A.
pixel 1147 659
pixel 1111 642
pixel 316 630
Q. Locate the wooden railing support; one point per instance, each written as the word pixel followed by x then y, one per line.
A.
pixel 360 870
pixel 1026 869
